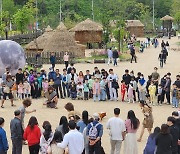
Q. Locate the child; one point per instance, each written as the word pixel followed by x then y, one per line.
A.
pixel 152 93
pixel 103 89
pixel 26 103
pixel 73 90
pixel 90 82
pixel 39 78
pixel 123 90
pixel 96 90
pixel 14 91
pixel 20 90
pixel 80 90
pixel 45 85
pixel 130 93
pixel 80 94
pixel 159 94
pixel 35 89
pixel 175 100
pixel 51 82
pixel 27 89
pixel 86 90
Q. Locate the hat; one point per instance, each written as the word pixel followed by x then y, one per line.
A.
pixel 96 116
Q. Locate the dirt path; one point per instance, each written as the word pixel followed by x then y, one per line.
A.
pixel 146 62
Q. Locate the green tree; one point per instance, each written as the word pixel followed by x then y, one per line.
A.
pixel 177 19
pixel 23 17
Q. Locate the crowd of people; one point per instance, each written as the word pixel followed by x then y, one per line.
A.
pixel 100 85
pixel 81 134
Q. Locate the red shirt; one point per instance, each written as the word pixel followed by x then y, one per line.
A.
pixel 32 135
pixel 123 88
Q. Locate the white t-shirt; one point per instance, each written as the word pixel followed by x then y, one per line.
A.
pixel 75 142
pixel 116 127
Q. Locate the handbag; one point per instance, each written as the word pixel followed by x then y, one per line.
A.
pixel 6 89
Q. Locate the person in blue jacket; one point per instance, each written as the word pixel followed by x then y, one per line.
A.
pixel 3 139
pixel 51 74
pixel 151 142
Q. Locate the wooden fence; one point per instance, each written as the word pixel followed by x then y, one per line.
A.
pixel 32 58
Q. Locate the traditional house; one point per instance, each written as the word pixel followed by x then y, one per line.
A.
pixel 88 31
pixel 39 43
pixel 135 27
pixel 62 41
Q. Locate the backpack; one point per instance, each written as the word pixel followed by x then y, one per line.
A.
pixel 93 132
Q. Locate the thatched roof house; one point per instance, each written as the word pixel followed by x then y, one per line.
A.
pixel 167 22
pixel 167 18
pixel 135 27
pixel 62 41
pixel 88 31
pixel 39 43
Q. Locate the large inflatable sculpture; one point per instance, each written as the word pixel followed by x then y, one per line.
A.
pixel 12 56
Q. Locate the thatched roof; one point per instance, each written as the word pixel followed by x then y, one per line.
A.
pixel 61 40
pixel 40 42
pixel 87 25
pixel 167 18
pixel 134 23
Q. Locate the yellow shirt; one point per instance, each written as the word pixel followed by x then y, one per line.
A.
pixel 152 89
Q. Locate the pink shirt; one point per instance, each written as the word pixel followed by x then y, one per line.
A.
pixel 66 57
pixel 129 129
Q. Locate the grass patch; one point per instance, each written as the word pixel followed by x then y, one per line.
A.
pixel 122 57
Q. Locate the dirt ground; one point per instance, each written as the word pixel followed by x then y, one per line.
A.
pixel 146 62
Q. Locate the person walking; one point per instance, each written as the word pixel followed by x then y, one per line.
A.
pixel 115 56
pixel 161 59
pixel 66 60
pixel 117 129
pixel 73 139
pixel 110 55
pixel 3 139
pixel 32 134
pixel 16 133
pixel 133 54
pixel 94 133
pixel 53 60
pixel 132 125
pixel 148 118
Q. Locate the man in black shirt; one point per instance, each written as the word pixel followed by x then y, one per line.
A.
pixel 115 56
pixel 174 131
pixel 19 76
pixel 126 77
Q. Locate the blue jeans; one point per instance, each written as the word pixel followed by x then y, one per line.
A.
pixel 103 95
pixel 115 61
pixel 175 101
pixel 95 96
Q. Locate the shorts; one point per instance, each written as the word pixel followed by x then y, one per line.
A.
pixel 10 96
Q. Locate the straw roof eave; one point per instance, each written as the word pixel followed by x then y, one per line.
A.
pixel 167 18
pixel 134 23
pixel 87 25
